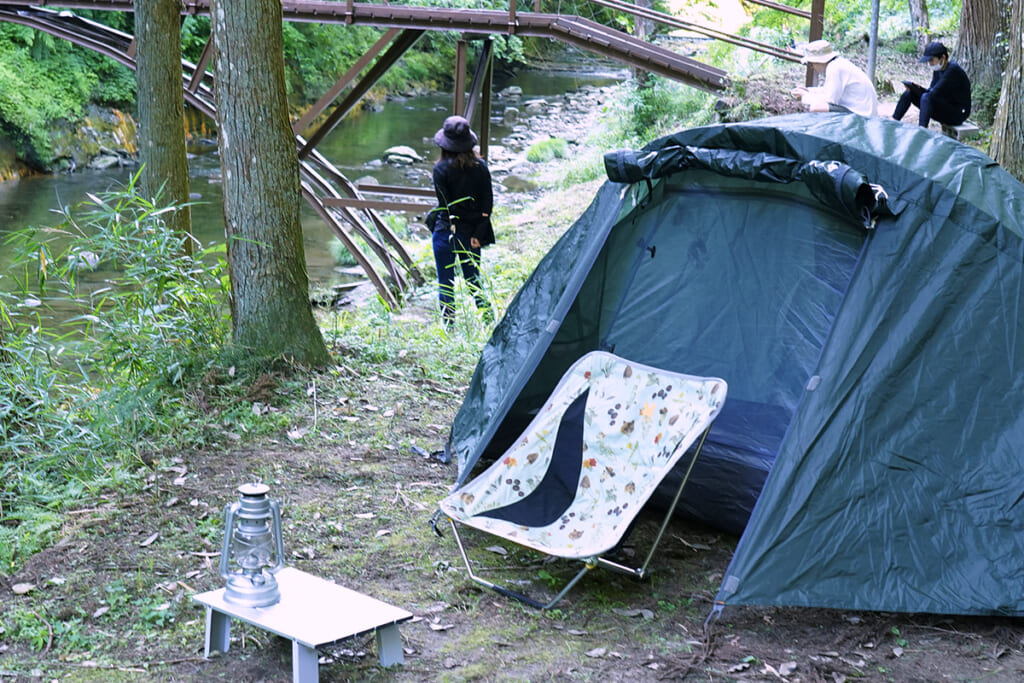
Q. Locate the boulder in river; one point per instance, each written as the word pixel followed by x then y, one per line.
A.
pixel 517 183
pixel 537 107
pixel 401 155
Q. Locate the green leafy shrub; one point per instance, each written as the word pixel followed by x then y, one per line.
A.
pixel 645 111
pixel 94 376
pixel 36 93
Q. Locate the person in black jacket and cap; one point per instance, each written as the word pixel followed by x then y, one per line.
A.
pixel 947 99
pixel 461 224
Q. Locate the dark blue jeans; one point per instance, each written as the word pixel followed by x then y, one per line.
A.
pixel 450 252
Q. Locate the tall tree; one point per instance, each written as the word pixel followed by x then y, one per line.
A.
pixel 1007 145
pixel 919 24
pixel 270 308
pixel 979 51
pixel 162 107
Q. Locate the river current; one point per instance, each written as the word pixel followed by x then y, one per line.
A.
pixel 355 146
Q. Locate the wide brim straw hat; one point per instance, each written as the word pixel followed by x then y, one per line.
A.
pixel 818 52
pixel 455 135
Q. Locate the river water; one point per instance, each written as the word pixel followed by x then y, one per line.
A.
pixel 355 146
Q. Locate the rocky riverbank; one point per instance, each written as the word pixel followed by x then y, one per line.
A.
pixel 109 137
pixel 103 138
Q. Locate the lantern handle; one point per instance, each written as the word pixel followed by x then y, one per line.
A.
pixel 275 509
pixel 225 551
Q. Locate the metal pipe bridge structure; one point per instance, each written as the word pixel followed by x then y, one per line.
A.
pixel 350 210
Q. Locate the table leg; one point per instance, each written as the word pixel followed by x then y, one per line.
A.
pixel 218 631
pixel 389 645
pixel 305 664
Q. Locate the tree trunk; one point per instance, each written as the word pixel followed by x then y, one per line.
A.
pixel 1008 128
pixel 270 308
pixel 919 22
pixel 981 23
pixel 642 28
pixel 162 109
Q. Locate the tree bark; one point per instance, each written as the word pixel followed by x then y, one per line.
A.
pixel 642 28
pixel 979 53
pixel 1007 145
pixel 270 309
pixel 919 22
pixel 162 109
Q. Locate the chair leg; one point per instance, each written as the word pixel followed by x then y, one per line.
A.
pixel 525 599
pixel 641 572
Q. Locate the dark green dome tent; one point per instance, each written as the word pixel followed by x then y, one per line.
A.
pixel 858 283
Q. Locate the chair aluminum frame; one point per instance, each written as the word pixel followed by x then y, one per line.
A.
pixel 592 562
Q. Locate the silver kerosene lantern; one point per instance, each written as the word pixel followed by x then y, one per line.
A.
pixel 253 550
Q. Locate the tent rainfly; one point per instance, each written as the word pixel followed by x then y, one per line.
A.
pixel 859 283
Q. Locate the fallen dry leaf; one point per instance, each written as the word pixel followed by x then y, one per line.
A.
pixel 22 588
pixel 149 541
pixel 297 434
pixel 597 652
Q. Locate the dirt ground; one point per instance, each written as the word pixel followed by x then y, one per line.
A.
pixel 111 600
pixel 358 515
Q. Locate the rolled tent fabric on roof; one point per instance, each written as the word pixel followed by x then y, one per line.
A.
pixel 898 475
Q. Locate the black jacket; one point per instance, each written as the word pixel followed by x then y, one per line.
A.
pixel 952 85
pixel 465 198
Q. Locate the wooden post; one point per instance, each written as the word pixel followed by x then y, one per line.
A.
pixel 485 100
pixel 815 32
pixel 460 78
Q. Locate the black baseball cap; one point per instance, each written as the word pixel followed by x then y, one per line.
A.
pixel 933 49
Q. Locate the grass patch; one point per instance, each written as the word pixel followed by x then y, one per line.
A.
pixel 546 150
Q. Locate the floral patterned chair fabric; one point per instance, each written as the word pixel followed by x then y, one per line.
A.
pixel 605 438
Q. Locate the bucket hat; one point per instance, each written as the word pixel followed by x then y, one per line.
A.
pixel 818 52
pixel 456 135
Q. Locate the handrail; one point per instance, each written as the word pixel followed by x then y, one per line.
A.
pixel 654 15
pixel 805 14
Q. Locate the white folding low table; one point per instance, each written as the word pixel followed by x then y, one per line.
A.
pixel 312 613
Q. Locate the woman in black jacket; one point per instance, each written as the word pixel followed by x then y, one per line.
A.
pixel 461 224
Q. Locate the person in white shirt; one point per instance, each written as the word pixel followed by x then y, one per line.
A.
pixel 845 89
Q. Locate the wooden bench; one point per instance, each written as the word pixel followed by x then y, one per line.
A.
pixel 967 129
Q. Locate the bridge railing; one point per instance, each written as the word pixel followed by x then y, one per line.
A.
pixel 814 16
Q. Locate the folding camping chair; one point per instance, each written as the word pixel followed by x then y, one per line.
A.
pixel 574 481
